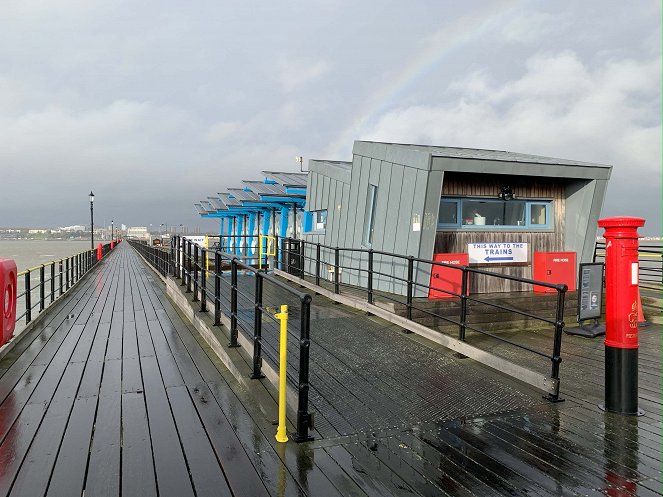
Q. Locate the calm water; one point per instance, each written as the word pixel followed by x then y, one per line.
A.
pixel 31 253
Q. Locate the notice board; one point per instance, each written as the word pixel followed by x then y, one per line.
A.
pixel 590 290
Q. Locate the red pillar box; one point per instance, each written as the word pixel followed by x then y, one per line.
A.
pixel 621 336
pixel 99 252
pixel 112 244
pixel 8 302
pixel 446 278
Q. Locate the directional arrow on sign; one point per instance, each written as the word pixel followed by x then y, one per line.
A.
pixel 491 259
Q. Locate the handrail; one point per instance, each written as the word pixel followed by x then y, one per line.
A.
pixel 294 258
pixel 64 273
pixel 184 261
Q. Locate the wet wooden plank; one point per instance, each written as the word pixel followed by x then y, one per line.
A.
pixel 17 442
pixel 206 471
pixel 103 477
pixel 138 475
pixel 68 477
pixel 170 465
pixel 35 472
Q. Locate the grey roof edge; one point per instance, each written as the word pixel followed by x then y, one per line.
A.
pixel 416 157
pixel 468 153
pixel 338 170
pixel 292 179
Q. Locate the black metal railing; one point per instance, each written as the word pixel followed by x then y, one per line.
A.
pixel 650 260
pixel 246 299
pixel 42 285
pixel 363 273
pixel 159 257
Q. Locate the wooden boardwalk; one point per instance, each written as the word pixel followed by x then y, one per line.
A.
pixel 111 393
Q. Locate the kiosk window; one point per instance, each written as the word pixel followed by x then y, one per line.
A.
pixel 485 213
pixel 369 214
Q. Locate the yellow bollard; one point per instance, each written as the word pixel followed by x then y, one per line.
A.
pixel 282 316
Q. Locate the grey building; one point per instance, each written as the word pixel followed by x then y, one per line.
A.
pixel 419 200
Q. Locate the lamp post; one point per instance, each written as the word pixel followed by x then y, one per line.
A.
pixel 112 226
pixel 92 219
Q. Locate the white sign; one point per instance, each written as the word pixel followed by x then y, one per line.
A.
pixel 495 253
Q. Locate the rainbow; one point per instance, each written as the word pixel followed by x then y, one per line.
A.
pixel 440 45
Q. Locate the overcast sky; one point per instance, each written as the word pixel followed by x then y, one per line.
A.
pixel 154 105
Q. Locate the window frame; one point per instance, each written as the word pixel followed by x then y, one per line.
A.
pixel 310 224
pixel 528 226
pixel 369 215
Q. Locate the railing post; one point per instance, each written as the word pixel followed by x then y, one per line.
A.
pixel 217 288
pixel 370 276
pixel 28 298
pixel 463 305
pixel 317 264
pixel 42 292
pixel 52 282
pixel 195 272
pixel 257 329
pixel 188 266
pixel 557 344
pixel 182 258
pixel 301 259
pixel 277 252
pixel 337 262
pixel 61 276
pixel 304 418
pixel 203 281
pixel 233 303
pixel 410 285
pixel 66 263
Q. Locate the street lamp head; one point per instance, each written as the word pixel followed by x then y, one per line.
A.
pixel 91 197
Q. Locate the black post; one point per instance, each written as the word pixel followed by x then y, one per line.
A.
pixel 233 303
pixel 337 262
pixel 217 288
pixel 257 329
pixel 66 263
pixel 61 276
pixel 304 418
pixel 463 305
pixel 301 259
pixel 52 282
pixel 370 276
pixel 188 266
pixel 42 293
pixel 28 298
pixel 317 264
pixel 183 262
pixel 557 344
pixel 203 280
pixel 195 272
pixel 410 276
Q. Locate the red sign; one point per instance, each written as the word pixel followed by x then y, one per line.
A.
pixel 447 281
pixel 554 267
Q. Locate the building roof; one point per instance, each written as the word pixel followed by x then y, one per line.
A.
pixel 243 195
pixel 227 201
pixel 288 180
pixel 217 203
pixel 262 188
pixel 483 154
pixel 200 208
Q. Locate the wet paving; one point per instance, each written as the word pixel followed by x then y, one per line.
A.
pixel 111 393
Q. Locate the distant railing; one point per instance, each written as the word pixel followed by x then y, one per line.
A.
pixel 249 299
pixel 159 257
pixel 359 272
pixel 41 286
pixel 650 260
